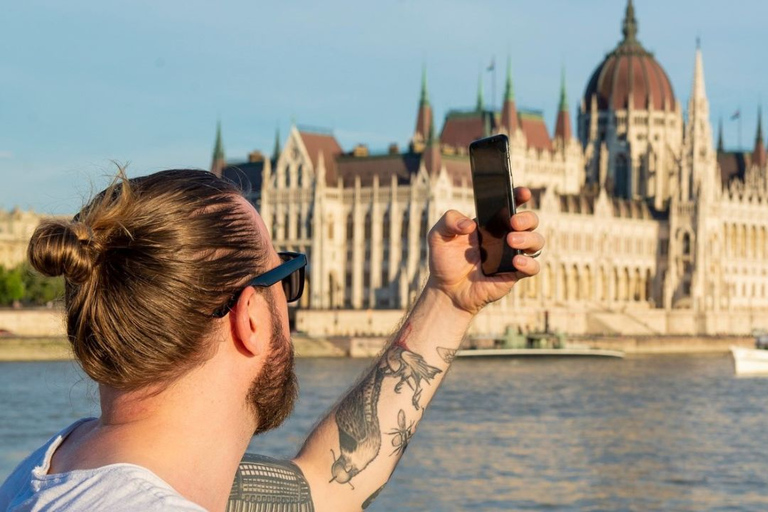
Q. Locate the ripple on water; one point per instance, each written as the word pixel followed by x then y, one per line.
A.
pixel 647 433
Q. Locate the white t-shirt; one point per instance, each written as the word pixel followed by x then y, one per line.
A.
pixel 116 487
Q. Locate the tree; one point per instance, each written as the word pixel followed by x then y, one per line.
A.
pixel 12 287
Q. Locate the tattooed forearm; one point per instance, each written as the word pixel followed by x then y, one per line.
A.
pixel 407 366
pixel 401 435
pixel 357 414
pixel 359 432
pixel 447 354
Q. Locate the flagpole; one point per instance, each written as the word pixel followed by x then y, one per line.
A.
pixel 493 92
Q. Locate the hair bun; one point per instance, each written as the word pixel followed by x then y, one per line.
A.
pixel 62 248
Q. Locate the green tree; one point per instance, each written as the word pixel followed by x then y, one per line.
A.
pixel 12 287
pixel 41 290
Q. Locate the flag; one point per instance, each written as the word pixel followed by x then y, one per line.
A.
pixel 736 115
pixel 492 65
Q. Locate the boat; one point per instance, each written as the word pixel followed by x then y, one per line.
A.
pixel 541 352
pixel 752 361
pixel 538 344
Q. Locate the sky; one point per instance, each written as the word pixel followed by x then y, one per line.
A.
pixel 86 85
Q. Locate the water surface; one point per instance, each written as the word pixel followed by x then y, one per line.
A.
pixel 647 433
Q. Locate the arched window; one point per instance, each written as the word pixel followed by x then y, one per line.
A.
pixel 623 178
pixel 367 227
pixel 686 244
pixel 350 227
pixel 385 227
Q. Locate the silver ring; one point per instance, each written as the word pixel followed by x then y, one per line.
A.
pixel 535 254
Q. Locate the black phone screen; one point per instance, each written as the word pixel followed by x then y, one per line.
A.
pixel 494 202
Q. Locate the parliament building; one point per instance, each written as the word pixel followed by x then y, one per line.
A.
pixel 651 228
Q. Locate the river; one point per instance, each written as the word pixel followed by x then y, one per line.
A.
pixel 645 433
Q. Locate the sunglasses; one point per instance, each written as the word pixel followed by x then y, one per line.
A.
pixel 290 273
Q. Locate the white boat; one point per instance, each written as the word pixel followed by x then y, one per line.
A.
pixel 750 361
pixel 541 352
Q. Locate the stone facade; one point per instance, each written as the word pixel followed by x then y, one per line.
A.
pixel 16 228
pixel 650 229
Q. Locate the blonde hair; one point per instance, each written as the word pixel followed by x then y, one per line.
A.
pixel 146 262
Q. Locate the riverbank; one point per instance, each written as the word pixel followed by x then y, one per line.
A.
pixel 58 349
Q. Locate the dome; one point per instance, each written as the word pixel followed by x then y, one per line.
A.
pixel 630 73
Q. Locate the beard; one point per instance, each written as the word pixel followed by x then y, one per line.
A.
pixel 273 392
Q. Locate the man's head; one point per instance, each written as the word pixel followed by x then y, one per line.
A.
pixel 146 264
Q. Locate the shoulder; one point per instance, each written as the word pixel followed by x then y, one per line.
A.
pixel 117 488
pixel 19 481
pixel 263 481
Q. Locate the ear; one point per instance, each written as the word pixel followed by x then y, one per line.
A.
pixel 250 323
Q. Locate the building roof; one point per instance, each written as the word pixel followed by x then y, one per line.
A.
pixel 247 175
pixel 463 127
pixel 318 142
pixel 733 166
pixel 630 74
pixel 535 130
pixel 385 166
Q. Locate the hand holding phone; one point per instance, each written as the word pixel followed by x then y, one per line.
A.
pixel 494 202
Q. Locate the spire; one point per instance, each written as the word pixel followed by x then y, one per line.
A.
pixel 699 91
pixel 563 93
pixel 759 157
pixel 563 123
pixel 480 101
pixel 424 129
pixel 509 92
pixel 218 162
pixel 218 148
pixel 276 150
pixel 720 145
pixel 508 109
pixel 629 27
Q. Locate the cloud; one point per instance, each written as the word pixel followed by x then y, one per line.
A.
pixel 5 154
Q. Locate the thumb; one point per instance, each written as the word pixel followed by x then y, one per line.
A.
pixel 451 224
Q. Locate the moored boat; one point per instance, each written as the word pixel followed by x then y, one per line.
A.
pixel 751 361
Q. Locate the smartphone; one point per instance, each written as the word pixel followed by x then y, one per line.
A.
pixel 494 202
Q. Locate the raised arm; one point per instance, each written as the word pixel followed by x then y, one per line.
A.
pixel 352 452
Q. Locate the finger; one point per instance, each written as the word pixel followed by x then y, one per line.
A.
pixel 525 241
pixel 524 221
pixel 526 265
pixel 522 195
pixel 451 224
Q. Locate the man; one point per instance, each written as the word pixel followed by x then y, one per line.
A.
pixel 176 306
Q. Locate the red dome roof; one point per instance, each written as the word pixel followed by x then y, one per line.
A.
pixel 630 73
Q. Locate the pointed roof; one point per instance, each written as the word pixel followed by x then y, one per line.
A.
pixel 480 101
pixel 563 92
pixel 318 141
pixel 698 91
pixel 424 126
pixel 509 92
pixel 218 162
pixel 563 123
pixel 759 155
pixel 508 109
pixel 276 150
pixel 535 130
pixel 218 148
pixel 629 26
pixel 720 146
